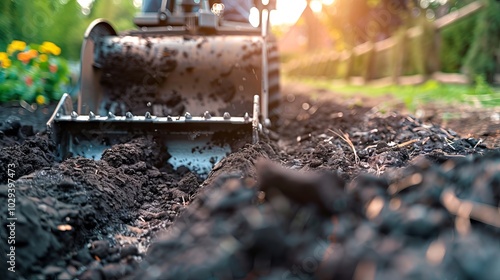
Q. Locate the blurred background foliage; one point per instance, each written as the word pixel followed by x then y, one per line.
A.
pixel 349 22
pixel 470 46
pixel 484 55
pixel 60 21
pixel 33 73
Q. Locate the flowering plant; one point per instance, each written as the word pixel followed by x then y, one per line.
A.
pixel 33 73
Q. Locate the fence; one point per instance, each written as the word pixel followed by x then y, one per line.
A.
pixel 409 57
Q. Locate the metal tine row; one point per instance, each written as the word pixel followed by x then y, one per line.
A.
pixel 129 115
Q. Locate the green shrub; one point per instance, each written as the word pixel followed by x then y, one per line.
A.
pixel 482 58
pixel 457 40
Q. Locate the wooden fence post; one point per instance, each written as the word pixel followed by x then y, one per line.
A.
pixel 398 56
pixel 370 66
pixel 432 46
pixel 349 65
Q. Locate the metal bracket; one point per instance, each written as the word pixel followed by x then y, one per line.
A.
pixel 265 70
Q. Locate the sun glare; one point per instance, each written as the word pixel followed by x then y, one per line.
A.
pixel 316 6
pixel 254 17
pixel 85 6
pixel 288 11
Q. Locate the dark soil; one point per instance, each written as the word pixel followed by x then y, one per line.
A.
pixel 346 191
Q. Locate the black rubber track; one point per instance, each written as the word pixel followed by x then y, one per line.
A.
pixel 274 82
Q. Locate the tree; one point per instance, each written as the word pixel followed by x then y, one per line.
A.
pixel 39 21
pixel 119 12
pixel 484 56
pixel 66 29
pixel 58 21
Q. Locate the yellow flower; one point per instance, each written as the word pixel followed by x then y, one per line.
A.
pixel 40 99
pixel 50 48
pixel 44 58
pixel 6 63
pixel 4 60
pixel 16 46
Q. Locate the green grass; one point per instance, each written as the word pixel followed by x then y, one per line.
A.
pixel 431 91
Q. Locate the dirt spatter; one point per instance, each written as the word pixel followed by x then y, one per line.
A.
pixel 221 90
pixel 135 73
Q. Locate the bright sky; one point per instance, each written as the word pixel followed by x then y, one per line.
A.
pixel 288 11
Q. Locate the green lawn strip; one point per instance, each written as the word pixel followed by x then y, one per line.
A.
pixel 480 94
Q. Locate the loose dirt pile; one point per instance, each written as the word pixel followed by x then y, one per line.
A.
pixel 345 192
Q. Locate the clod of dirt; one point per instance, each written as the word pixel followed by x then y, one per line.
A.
pixel 325 191
pixel 12 131
pixel 32 232
pixel 81 199
pixel 33 154
pixel 11 126
pixel 403 229
pixel 242 162
pixel 137 150
pixel 225 234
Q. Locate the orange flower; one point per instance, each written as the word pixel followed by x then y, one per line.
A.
pixel 53 68
pixel 33 53
pixel 26 56
pixel 23 57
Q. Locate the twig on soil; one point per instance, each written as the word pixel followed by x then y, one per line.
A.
pixel 379 172
pixel 371 147
pixel 449 142
pixel 453 156
pixel 364 133
pixel 404 183
pixel 470 209
pixel 410 119
pixel 393 148
pixel 120 179
pixel 478 142
pixel 345 137
pixel 446 132
pixel 404 144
